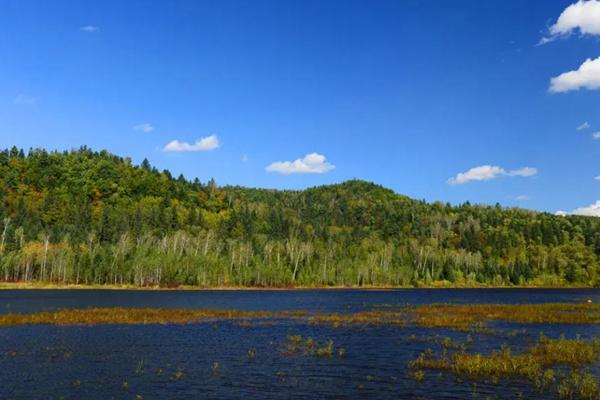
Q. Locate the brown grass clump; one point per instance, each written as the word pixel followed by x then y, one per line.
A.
pixel 374 317
pixel 472 316
pixel 500 364
pixel 126 316
pixel 465 318
pixel 296 344
pixel 579 385
pixel 428 360
pixel 573 352
pixel 534 365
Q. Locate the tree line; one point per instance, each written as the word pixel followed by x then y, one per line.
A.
pixel 89 217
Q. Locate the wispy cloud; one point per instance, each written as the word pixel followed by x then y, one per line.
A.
pixel 244 158
pixel 89 29
pixel 593 210
pixel 583 16
pixel 585 125
pixel 489 172
pixel 587 76
pixel 313 163
pixel 596 135
pixel 522 197
pixel 145 127
pixel 204 144
pixel 25 99
pixel 597 178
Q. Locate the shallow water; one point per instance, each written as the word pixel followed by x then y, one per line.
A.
pixel 121 362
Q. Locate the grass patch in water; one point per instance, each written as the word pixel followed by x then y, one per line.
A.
pixel 578 385
pixel 467 318
pixel 534 365
pixel 296 344
pixel 124 316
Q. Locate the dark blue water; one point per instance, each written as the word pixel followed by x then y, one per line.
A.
pixel 178 361
pixel 25 301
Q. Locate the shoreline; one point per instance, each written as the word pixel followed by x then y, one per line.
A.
pixel 58 286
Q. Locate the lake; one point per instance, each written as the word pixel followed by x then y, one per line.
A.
pixel 231 360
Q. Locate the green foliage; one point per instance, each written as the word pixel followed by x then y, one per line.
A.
pixel 95 218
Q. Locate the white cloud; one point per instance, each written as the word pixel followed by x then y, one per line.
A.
pixel 585 125
pixel 522 197
pixel 24 99
pixel 583 16
pixel 89 29
pixel 203 144
pixel 313 163
pixel 489 172
pixel 586 76
pixel 593 210
pixel 596 135
pixel 145 127
pixel 597 178
pixel 525 171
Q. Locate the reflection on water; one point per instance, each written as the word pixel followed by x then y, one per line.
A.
pixel 178 361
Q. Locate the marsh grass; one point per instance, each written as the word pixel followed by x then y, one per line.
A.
pixel 179 375
pixel 418 375
pixel 125 316
pixel 578 385
pixel 215 368
pixel 375 317
pixel 466 318
pixel 535 365
pixel 296 344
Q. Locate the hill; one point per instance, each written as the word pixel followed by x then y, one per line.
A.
pixel 95 218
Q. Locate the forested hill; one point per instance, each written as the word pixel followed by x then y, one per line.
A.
pixel 93 217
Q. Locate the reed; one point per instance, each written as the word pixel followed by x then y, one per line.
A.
pixel 535 364
pixel 296 344
pixel 472 316
pixel 125 316
pixel 467 318
pixel 579 385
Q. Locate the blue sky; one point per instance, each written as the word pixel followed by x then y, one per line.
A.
pixel 408 94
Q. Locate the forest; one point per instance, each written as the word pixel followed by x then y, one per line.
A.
pixel 93 218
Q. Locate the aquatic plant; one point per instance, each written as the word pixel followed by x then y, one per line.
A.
pixel 534 364
pixel 216 367
pixel 473 316
pixel 578 385
pixel 418 375
pixel 545 380
pixel 466 317
pixel 295 344
pixel 139 369
pixel 118 315
pixel 251 354
pixel 178 376
pixel 428 360
pixel 461 317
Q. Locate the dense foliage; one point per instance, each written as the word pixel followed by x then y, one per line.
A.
pixel 93 217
